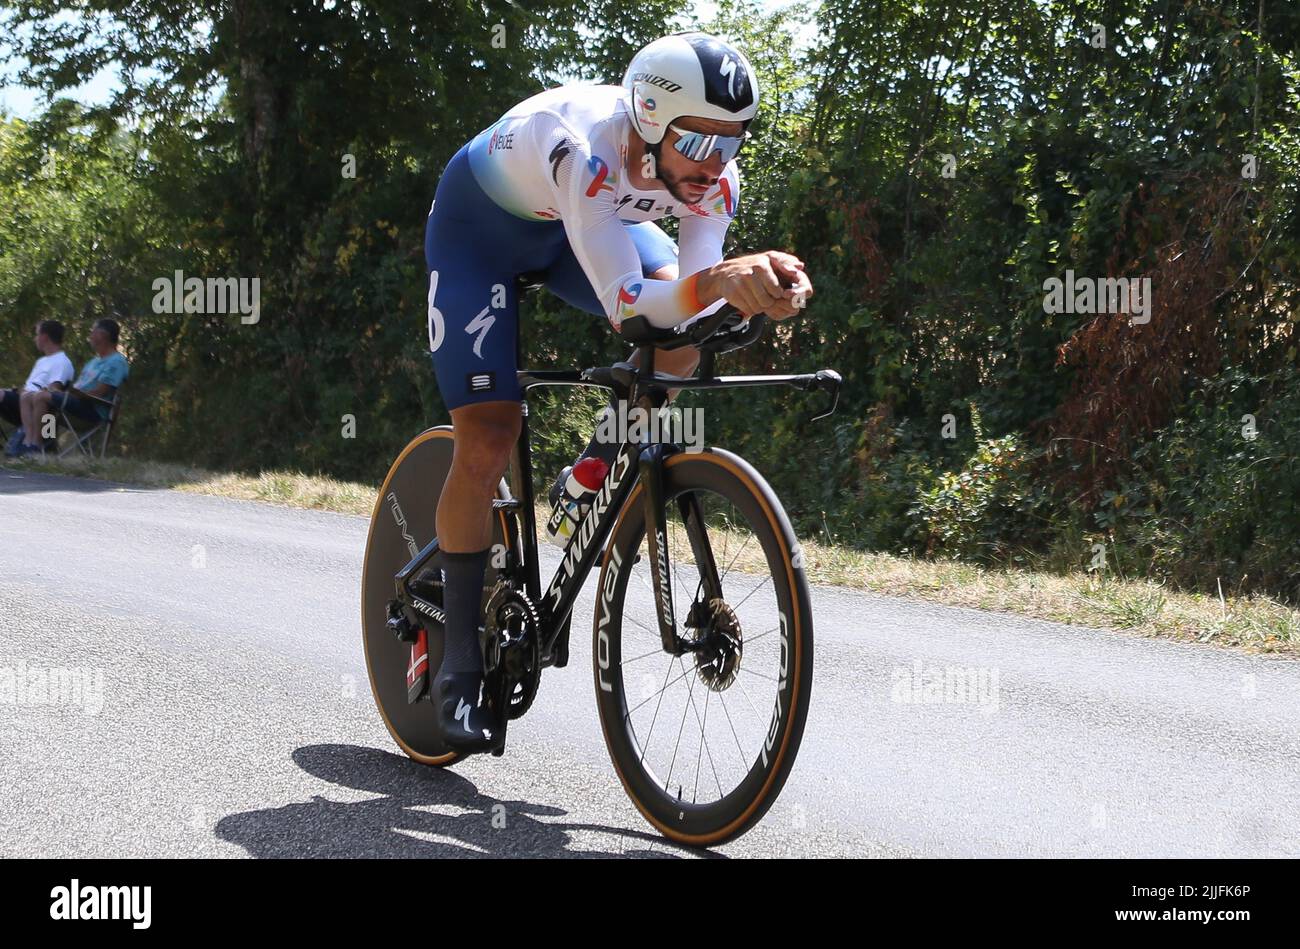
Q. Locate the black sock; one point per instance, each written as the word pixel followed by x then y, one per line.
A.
pixel 462 600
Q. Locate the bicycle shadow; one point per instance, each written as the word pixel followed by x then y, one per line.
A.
pixel 422 812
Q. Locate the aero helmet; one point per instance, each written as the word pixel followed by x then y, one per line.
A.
pixel 689 74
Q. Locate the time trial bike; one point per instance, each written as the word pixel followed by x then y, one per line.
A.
pixel 702 644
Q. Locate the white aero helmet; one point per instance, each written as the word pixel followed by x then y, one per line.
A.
pixel 691 74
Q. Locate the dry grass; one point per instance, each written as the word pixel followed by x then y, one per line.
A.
pixel 290 488
pixel 1253 623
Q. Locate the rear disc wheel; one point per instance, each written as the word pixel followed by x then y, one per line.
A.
pixel 401 524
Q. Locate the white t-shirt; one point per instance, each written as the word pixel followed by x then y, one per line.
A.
pixel 49 370
pixel 562 155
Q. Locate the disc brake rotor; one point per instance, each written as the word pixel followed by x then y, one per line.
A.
pixel 718 661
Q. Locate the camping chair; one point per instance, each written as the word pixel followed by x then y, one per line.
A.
pixel 104 427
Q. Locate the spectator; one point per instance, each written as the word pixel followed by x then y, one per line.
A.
pixel 92 395
pixel 52 370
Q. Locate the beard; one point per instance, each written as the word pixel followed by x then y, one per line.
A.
pixel 677 188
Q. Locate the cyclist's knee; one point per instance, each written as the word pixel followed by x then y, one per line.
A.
pixel 485 434
pixel 677 362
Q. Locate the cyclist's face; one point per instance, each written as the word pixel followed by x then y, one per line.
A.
pixel 688 180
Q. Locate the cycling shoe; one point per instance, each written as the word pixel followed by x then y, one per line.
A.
pixel 464 716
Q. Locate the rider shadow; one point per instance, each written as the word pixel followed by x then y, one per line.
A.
pixel 422 812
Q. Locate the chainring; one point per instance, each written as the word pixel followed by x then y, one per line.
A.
pixel 511 646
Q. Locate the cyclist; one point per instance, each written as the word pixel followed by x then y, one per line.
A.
pixel 565 188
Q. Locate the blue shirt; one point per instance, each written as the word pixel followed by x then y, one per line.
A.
pixel 110 370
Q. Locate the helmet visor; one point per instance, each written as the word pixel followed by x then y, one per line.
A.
pixel 698 146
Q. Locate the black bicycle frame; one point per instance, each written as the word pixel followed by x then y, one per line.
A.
pixel 633 386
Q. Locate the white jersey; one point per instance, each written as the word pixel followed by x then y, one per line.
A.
pixel 562 155
pixel 56 367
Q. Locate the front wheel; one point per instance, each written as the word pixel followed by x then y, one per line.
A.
pixel 704 742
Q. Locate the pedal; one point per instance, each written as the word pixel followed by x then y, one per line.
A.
pixel 399 625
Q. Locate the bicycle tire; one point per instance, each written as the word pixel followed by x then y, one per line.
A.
pixel 729 477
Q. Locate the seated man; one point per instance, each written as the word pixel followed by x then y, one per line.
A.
pixel 52 370
pixel 90 399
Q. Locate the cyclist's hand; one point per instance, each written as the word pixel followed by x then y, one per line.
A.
pixel 789 269
pixel 752 284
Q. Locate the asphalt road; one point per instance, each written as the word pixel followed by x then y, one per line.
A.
pixel 225 711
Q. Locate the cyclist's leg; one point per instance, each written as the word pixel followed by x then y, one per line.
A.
pixel 473 332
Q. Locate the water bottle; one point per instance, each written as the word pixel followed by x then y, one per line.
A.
pixel 580 487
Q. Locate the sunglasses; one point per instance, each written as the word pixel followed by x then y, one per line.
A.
pixel 698 146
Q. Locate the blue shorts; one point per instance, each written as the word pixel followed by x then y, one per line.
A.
pixel 476 249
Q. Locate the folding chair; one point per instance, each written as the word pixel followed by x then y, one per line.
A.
pixel 6 431
pixel 82 440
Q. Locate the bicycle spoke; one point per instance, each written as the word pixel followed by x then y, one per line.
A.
pixel 732 725
pixel 646 583
pixel 765 582
pixel 749 640
pixel 644 655
pixel 699 755
pixel 652 632
pixel 646 746
pixel 735 558
pixel 689 697
pixel 754 708
pixel 699 586
pixel 703 748
pixel 660 692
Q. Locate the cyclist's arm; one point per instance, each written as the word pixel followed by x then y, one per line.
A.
pixel 700 233
pixel 601 243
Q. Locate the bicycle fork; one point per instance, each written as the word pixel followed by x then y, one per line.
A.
pixel 651 470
